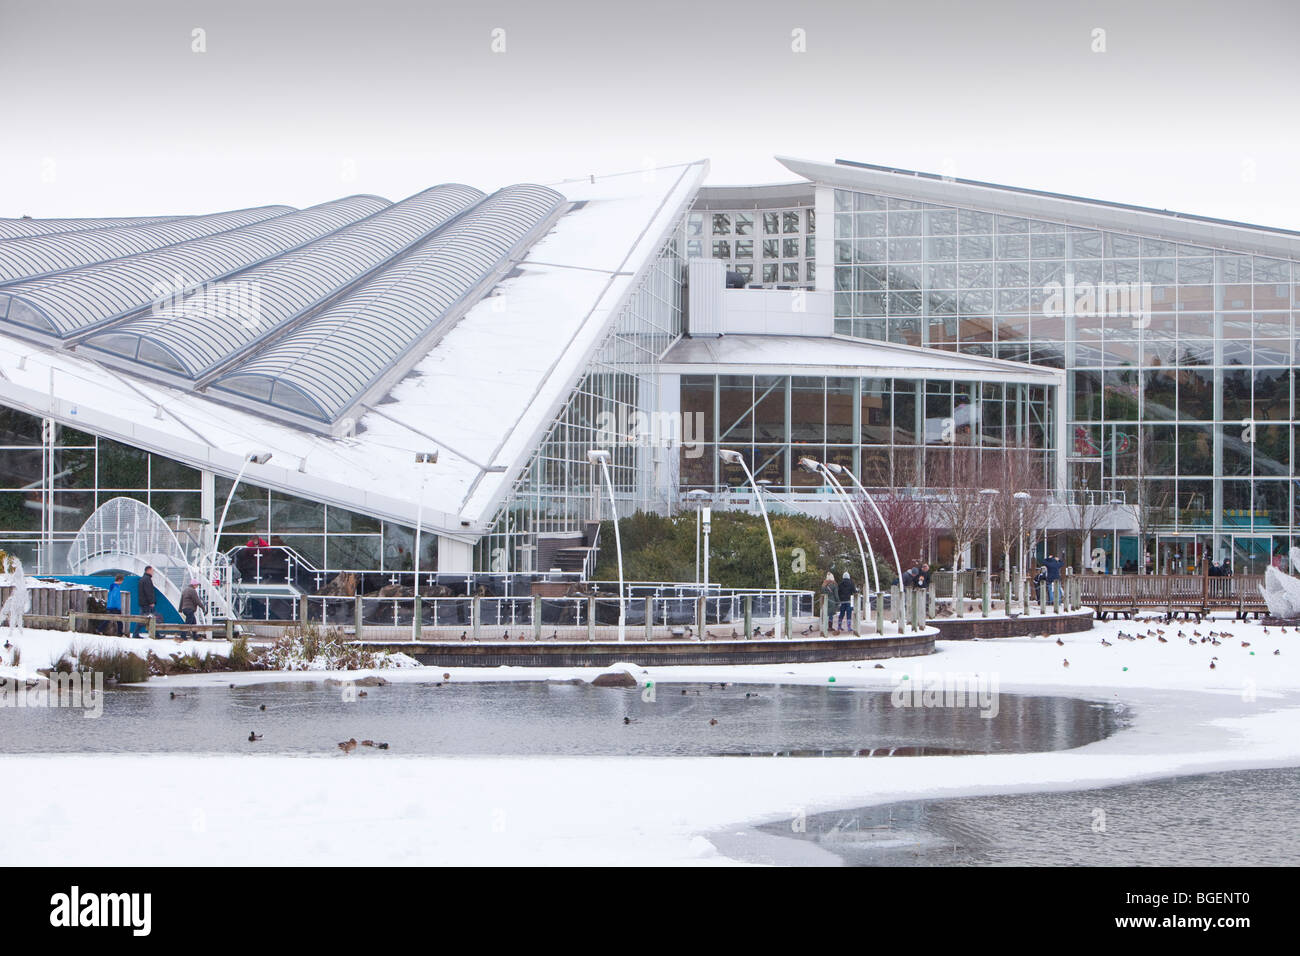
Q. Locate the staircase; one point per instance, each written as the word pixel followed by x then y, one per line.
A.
pixel 574 553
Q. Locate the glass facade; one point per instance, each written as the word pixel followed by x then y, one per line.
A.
pixel 769 247
pixel 88 470
pixel 1179 357
pixel 890 432
pixel 559 489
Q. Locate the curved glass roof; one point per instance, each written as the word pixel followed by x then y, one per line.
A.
pixel 34 256
pixel 71 302
pixel 205 330
pixel 325 365
pixel 10 228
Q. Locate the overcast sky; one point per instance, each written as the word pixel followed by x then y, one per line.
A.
pixel 106 109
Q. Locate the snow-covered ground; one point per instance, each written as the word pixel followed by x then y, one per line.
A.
pixel 394 809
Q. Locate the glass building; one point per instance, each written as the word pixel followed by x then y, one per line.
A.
pixel 1142 358
pixel 1176 334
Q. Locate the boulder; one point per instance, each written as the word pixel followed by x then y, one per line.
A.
pixel 615 679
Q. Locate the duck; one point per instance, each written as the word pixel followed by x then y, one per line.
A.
pixel 252 737
pixel 1060 643
pixel 713 721
pixel 367 743
pixel 349 745
pixel 1065 663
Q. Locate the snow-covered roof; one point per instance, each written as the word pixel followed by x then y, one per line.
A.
pixel 1057 207
pixel 482 394
pixel 841 355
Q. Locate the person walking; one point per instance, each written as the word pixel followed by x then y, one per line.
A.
pixel 846 591
pixel 114 603
pixel 190 605
pixel 146 598
pixel 831 597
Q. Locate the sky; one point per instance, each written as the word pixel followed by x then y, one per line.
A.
pixel 145 107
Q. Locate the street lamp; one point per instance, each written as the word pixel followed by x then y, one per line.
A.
pixel 1022 497
pixel 601 456
pixel 421 458
pixel 841 470
pixel 988 545
pixel 255 458
pixel 855 519
pixel 731 457
pixel 699 496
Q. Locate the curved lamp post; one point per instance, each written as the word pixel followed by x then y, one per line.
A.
pixel 855 520
pixel 1022 497
pixel 841 470
pixel 732 457
pixel 255 458
pixel 600 456
pixel 421 458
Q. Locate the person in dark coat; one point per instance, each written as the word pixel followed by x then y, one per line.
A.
pixel 922 579
pixel 146 598
pixel 846 591
pixel 1053 567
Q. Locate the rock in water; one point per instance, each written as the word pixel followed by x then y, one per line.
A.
pixel 615 679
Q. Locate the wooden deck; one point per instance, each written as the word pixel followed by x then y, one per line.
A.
pixel 1172 594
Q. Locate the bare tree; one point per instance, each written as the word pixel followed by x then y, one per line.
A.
pixel 1148 500
pixel 910 522
pixel 1086 508
pixel 959 506
pixel 1019 468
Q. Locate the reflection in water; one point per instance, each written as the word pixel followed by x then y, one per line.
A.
pixel 1240 818
pixel 552 718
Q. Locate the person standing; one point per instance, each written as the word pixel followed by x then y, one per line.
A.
pixel 1053 566
pixel 146 598
pixel 831 596
pixel 846 591
pixel 190 605
pixel 114 603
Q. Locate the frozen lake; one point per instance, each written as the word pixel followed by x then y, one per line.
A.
pixel 1237 818
pixel 563 719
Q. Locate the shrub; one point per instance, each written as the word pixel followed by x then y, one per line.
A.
pixel 658 548
pixel 240 659
pixel 124 667
pixel 308 646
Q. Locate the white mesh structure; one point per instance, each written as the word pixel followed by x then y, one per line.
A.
pixel 34 256
pixel 326 364
pixel 199 334
pixel 10 228
pixel 72 302
pixel 127 534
